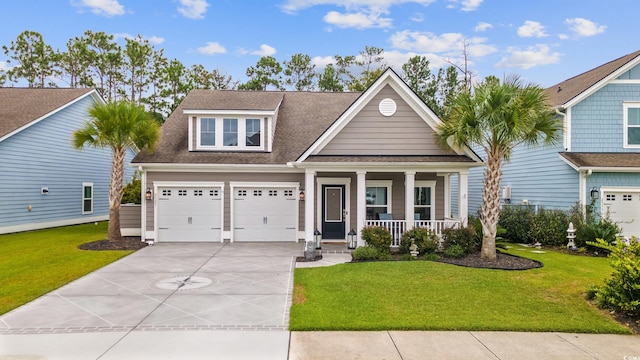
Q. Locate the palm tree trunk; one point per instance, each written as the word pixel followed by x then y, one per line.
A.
pixel 115 194
pixel 491 205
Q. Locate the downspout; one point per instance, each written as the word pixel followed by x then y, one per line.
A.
pixel 583 187
pixel 566 138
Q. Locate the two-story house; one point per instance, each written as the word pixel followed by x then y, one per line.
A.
pixel 44 181
pixel 283 166
pixel 598 158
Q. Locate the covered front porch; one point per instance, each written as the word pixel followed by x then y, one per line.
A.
pixel 338 201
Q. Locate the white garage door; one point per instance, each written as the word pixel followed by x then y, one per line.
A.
pixel 265 214
pixel 623 207
pixel 189 213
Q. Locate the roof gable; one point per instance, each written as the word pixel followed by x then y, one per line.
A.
pixel 20 108
pixel 573 90
pixel 391 81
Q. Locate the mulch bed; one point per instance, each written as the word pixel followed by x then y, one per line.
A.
pixel 503 262
pixel 127 243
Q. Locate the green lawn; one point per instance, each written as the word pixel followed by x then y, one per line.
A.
pixel 34 263
pixel 424 295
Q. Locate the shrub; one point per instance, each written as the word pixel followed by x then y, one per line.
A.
pixel 549 227
pixel 516 220
pixel 454 251
pixel 132 192
pixel 467 238
pixel 425 239
pixel 622 290
pixel 365 253
pixel 603 229
pixel 377 237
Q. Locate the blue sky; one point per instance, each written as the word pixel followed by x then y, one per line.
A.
pixel 545 41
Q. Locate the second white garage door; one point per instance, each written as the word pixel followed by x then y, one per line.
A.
pixel 265 214
pixel 623 208
pixel 189 213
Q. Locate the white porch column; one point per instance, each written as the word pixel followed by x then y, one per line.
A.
pixel 409 185
pixel 309 204
pixel 361 204
pixel 463 199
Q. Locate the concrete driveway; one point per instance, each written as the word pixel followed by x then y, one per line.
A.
pixel 214 287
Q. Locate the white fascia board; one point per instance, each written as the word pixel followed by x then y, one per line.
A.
pixel 93 93
pixel 600 84
pixel 217 168
pixel 573 166
pixel 231 112
pixel 440 167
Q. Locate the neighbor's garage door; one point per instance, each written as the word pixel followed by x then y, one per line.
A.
pixel 265 214
pixel 189 213
pixel 623 207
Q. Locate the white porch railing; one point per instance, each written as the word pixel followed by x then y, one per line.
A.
pixel 399 227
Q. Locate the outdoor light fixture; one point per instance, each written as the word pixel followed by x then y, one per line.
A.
pixel 352 239
pixel 148 195
pixel 594 193
pixel 301 194
pixel 317 236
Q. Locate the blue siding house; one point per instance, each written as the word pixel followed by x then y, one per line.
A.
pixel 44 181
pixel 599 157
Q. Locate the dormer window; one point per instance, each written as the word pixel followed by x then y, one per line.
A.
pixel 229 133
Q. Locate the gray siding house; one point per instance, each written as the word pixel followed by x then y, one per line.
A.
pixel 44 182
pixel 598 157
pixel 277 166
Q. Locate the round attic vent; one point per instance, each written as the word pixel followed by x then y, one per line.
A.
pixel 387 107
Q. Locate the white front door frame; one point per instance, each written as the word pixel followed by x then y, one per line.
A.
pixel 320 181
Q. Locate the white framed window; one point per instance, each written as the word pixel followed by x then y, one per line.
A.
pixel 378 201
pixel 87 198
pixel 229 133
pixel 424 200
pixel 632 125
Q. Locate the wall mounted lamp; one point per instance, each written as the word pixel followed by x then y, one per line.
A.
pixel 149 194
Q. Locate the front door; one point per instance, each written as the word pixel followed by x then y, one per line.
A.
pixel 333 212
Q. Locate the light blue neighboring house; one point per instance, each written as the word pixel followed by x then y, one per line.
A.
pixel 44 181
pixel 598 157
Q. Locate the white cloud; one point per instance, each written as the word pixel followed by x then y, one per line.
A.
pixel 193 9
pixel 102 7
pixel 531 29
pixel 465 5
pixel 531 57
pixel 212 48
pixel 357 20
pixel 448 44
pixel 584 27
pixel 293 6
pixel 265 50
pixel 482 26
pixel 4 66
pixel 359 14
pixel 156 40
pixel 563 36
pixel 417 17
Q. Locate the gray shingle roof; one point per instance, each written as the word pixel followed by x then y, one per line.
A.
pixel 302 118
pixel 20 106
pixel 563 92
pixel 604 160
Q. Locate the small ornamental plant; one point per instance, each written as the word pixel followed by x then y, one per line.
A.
pixel 621 291
pixel 377 237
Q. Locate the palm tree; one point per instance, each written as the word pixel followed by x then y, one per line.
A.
pixel 497 117
pixel 118 126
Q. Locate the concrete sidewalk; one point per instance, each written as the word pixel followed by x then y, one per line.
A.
pixel 408 345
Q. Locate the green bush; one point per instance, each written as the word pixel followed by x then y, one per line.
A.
pixel 603 229
pixel 622 290
pixel 132 192
pixel 454 251
pixel 549 227
pixel 467 238
pixel 517 220
pixel 425 239
pixel 367 253
pixel 377 237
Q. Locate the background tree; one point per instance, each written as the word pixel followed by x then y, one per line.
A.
pixel 175 86
pixel 117 126
pixel 138 56
pixel 34 60
pixel 267 72
pixel 372 65
pixel 299 72
pixel 75 65
pixel 105 56
pixel 436 90
pixel 498 117
pixel 329 80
